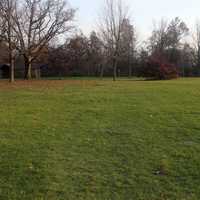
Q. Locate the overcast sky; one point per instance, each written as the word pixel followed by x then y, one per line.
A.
pixel 144 12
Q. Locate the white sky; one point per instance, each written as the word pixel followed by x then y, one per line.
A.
pixel 144 12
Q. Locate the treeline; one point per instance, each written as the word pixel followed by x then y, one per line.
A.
pixel 29 30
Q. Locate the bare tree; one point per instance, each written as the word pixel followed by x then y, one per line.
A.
pixel 110 30
pixel 38 22
pixel 95 53
pixel 166 39
pixel 128 44
pixel 7 9
pixel 196 43
pixel 176 31
pixel 158 39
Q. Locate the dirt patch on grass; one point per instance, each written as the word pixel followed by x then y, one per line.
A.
pixel 45 84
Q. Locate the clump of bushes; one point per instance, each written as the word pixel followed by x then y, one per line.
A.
pixel 160 69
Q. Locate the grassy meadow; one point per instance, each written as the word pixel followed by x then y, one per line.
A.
pixel 100 140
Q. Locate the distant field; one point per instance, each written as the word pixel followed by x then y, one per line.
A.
pixel 100 140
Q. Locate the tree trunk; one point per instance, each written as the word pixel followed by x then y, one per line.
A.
pixel 88 71
pixel 198 60
pixel 102 71
pixel 114 70
pixel 183 71
pixel 12 66
pixel 130 71
pixel 37 73
pixel 28 69
pixel 29 75
pixel 10 42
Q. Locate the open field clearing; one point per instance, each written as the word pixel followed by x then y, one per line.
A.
pixel 103 140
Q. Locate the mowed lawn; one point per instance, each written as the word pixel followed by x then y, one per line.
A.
pixel 100 140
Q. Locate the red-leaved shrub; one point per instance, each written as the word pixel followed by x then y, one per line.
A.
pixel 160 70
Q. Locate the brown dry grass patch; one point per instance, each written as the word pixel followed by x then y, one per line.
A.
pixel 45 84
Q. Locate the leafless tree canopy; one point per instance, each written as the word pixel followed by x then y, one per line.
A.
pixel 39 21
pixel 7 33
pixel 111 23
pixel 34 23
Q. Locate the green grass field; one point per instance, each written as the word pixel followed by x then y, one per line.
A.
pixel 100 140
